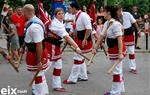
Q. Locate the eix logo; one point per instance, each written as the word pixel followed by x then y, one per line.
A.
pixel 9 91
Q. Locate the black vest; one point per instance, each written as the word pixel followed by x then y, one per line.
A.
pixel 111 42
pixel 81 34
pixel 128 31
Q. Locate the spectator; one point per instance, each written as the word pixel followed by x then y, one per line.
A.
pixel 19 20
pixel 138 18
pixel 146 24
pixel 84 9
pixel 99 25
pixel 10 12
pixel 69 18
pixel 14 40
pixel 100 14
pixel 1 28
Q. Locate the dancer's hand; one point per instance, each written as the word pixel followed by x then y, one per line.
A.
pixel 121 56
pixel 93 51
pixel 78 50
pixel 39 66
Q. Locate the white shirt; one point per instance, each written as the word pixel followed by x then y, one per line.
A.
pixel 58 28
pixel 128 20
pixel 114 30
pixel 69 16
pixel 35 32
pixel 83 22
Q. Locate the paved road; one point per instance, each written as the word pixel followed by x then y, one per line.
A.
pixel 98 82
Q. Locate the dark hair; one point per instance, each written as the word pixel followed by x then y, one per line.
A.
pixel 75 5
pixel 99 8
pixel 83 9
pixel 117 7
pixel 100 19
pixel 112 10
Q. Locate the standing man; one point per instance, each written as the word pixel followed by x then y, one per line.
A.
pixel 83 30
pixel 69 19
pixel 36 56
pixel 19 20
pixel 138 19
pixel 127 20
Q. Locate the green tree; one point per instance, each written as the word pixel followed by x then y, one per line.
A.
pixel 144 5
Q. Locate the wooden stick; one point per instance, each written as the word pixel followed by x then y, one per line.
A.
pixel 64 48
pixel 20 57
pixel 19 60
pixel 12 64
pixel 34 77
pixel 104 50
pixel 90 61
pixel 113 66
pixel 80 54
pixel 9 60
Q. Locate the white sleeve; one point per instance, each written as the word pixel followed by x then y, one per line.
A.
pixel 66 16
pixel 132 19
pixel 59 30
pixel 117 29
pixel 37 33
pixel 86 21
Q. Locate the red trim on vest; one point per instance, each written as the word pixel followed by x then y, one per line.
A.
pixel 86 47
pixel 38 80
pixel 57 72
pixel 129 38
pixel 131 56
pixel 57 50
pixel 49 47
pixel 115 50
pixel 77 62
pixel 32 61
pixel 116 78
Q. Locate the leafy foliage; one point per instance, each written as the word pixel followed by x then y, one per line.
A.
pixel 144 5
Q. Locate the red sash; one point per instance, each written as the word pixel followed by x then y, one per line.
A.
pixel 74 24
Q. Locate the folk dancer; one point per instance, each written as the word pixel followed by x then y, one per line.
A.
pixel 112 30
pixel 36 56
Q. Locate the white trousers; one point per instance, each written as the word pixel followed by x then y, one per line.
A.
pixel 118 81
pixel 56 79
pixel 131 52
pixel 40 86
pixel 78 70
